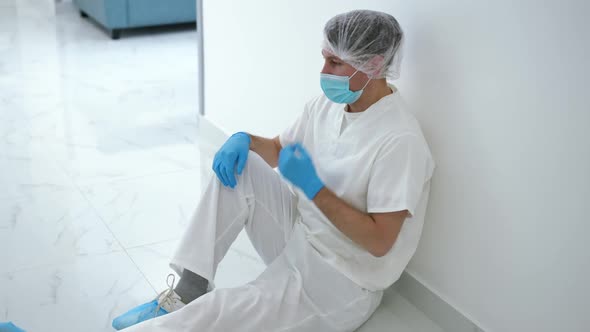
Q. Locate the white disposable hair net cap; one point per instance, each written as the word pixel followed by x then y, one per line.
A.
pixel 370 41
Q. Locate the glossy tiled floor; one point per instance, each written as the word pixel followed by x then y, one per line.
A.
pixel 99 167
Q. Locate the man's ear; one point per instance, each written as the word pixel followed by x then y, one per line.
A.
pixel 375 65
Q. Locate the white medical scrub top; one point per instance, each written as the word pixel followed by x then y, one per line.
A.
pixel 377 161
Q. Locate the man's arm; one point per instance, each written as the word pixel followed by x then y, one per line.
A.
pixel 267 148
pixel 375 232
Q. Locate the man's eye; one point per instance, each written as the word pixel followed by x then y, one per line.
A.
pixel 335 63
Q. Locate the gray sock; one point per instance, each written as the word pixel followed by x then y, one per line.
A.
pixel 191 286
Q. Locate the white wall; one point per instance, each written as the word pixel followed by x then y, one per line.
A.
pixel 500 88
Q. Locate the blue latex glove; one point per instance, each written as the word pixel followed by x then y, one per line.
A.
pixel 296 166
pixel 9 327
pixel 232 154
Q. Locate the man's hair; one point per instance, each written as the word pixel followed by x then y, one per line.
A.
pixel 358 36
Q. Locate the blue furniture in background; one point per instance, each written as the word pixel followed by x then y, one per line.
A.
pixel 116 15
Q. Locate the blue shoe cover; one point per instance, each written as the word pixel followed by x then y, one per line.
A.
pixel 9 327
pixel 137 315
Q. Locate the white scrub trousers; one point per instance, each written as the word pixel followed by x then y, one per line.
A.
pixel 297 292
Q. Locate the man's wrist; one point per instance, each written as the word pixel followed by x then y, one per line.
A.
pixel 320 195
pixel 313 188
pixel 244 134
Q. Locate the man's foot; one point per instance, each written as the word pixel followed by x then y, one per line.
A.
pixel 9 327
pixel 167 302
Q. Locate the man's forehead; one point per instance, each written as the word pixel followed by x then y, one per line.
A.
pixel 327 54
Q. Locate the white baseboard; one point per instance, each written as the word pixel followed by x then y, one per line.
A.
pixel 434 306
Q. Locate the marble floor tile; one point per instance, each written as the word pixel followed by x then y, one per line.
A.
pixel 98 151
pixel 50 227
pixel 29 169
pixel 148 209
pixel 84 295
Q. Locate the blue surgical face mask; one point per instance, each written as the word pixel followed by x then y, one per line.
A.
pixel 337 88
